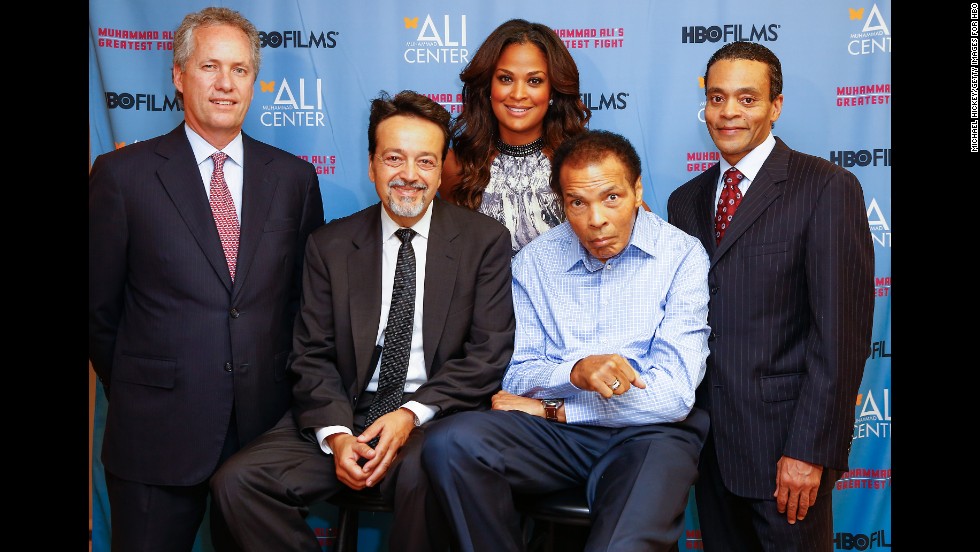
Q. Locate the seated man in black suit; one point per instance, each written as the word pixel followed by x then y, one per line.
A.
pixel 462 331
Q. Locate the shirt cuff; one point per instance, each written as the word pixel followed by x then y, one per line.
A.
pixel 324 432
pixel 422 412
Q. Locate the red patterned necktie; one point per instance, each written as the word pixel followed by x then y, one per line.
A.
pixel 223 209
pixel 730 198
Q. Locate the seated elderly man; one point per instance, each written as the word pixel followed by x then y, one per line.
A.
pixel 611 343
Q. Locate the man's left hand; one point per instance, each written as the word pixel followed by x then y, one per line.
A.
pixel 504 400
pixel 393 429
pixel 607 375
pixel 796 487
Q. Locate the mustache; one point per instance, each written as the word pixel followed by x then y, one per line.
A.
pixel 399 182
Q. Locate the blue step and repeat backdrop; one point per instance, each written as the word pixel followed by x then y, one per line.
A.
pixel 641 63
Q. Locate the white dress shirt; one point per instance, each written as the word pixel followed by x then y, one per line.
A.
pixel 417 374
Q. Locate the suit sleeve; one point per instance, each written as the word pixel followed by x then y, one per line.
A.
pixel 319 396
pixel 312 218
pixel 466 381
pixel 107 239
pixel 840 282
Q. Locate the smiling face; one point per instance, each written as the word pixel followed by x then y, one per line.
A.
pixel 519 93
pixel 406 168
pixel 601 204
pixel 738 112
pixel 217 83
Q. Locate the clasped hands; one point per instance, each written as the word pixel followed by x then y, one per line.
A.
pixel 392 429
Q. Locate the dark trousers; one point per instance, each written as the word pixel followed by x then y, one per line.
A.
pixel 162 518
pixel 637 478
pixel 265 490
pixel 731 523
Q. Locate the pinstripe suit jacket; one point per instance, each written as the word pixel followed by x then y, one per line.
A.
pixel 791 308
pixel 173 341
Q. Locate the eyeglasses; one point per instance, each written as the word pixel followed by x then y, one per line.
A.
pixel 397 161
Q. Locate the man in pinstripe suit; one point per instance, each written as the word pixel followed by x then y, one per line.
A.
pixel 791 283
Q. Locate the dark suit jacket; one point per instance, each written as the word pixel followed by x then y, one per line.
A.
pixel 468 314
pixel 791 308
pixel 173 342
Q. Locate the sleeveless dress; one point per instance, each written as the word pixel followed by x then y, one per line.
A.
pixel 519 196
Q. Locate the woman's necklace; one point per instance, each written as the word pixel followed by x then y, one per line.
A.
pixel 519 151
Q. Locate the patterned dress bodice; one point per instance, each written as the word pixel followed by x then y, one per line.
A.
pixel 519 196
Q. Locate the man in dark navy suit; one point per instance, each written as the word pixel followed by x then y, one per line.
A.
pixel 791 283
pixel 190 326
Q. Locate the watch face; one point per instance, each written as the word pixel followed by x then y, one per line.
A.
pixel 551 407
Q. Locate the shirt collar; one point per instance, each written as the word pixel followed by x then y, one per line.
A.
pixel 202 149
pixel 751 164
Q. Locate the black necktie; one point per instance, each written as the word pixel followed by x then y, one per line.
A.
pixel 398 334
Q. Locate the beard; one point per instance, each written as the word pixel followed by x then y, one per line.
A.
pixel 408 208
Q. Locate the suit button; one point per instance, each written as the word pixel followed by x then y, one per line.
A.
pixel 227 367
pixel 234 313
pixel 711 336
pixel 714 290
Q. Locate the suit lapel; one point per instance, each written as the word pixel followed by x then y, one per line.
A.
pixel 441 266
pixel 762 192
pixel 182 180
pixel 259 185
pixel 705 213
pixel 364 289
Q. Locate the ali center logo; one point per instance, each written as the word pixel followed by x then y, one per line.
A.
pixel 873 418
pixel 704 101
pixel 881 232
pixel 296 103
pixel 874 38
pixel 435 44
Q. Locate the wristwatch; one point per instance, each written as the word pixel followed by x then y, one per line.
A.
pixel 551 407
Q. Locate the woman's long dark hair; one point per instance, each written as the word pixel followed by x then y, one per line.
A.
pixel 475 128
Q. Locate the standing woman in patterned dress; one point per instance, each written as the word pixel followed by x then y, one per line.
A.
pixel 520 101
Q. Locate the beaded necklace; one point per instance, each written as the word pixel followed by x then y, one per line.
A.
pixel 519 151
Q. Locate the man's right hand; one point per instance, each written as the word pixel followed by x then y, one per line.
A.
pixel 600 373
pixel 347 451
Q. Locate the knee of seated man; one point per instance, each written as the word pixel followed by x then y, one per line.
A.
pixel 229 478
pixel 451 437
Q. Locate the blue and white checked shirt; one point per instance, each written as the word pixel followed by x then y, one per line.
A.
pixel 649 304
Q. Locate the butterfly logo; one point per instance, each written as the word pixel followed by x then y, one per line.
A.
pixel 120 145
pixel 267 86
pixel 856 14
pixel 411 23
